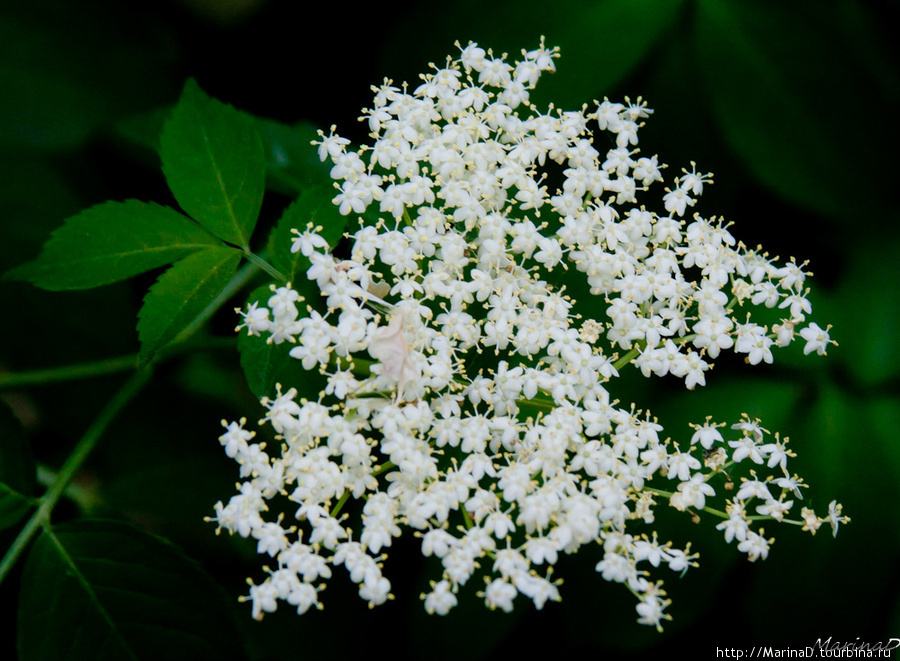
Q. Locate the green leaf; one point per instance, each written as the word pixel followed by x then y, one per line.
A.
pixel 143 131
pixel 112 241
pixel 313 206
pixel 828 443
pixel 213 160
pixel 17 473
pixel 267 364
pixel 602 44
pixel 866 315
pixel 264 364
pixel 292 162
pixel 103 590
pixel 880 466
pixel 774 71
pixel 181 295
pixel 601 41
pixel 726 397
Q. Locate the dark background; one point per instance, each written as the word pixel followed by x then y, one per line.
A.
pixel 791 104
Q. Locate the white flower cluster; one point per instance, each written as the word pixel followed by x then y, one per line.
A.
pixel 467 397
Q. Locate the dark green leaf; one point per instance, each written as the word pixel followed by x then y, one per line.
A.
pixel 213 160
pixel 601 44
pixel 774 72
pixel 883 414
pixel 16 470
pixel 264 364
pixel 832 426
pixel 13 506
pixel 866 314
pixel 292 162
pixel 182 294
pixel 112 241
pixel 313 206
pixel 143 130
pixel 726 397
pixel 98 590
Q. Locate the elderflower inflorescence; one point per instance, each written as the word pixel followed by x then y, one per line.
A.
pixel 466 399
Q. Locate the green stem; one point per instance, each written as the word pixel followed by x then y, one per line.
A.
pixel 627 358
pixel 101 367
pixel 41 518
pixel 384 468
pixel 340 504
pixel 86 498
pixel 261 263
pixel 68 372
pixel 668 494
pixel 467 520
pixel 130 362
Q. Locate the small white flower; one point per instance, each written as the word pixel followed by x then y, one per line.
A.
pixel 308 242
pixel 835 517
pixel 816 338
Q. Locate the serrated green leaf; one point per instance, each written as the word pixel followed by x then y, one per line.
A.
pixel 103 590
pixel 112 241
pixel 264 364
pixel 314 206
pixel 292 162
pixel 181 294
pixel 213 160
pixel 17 471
